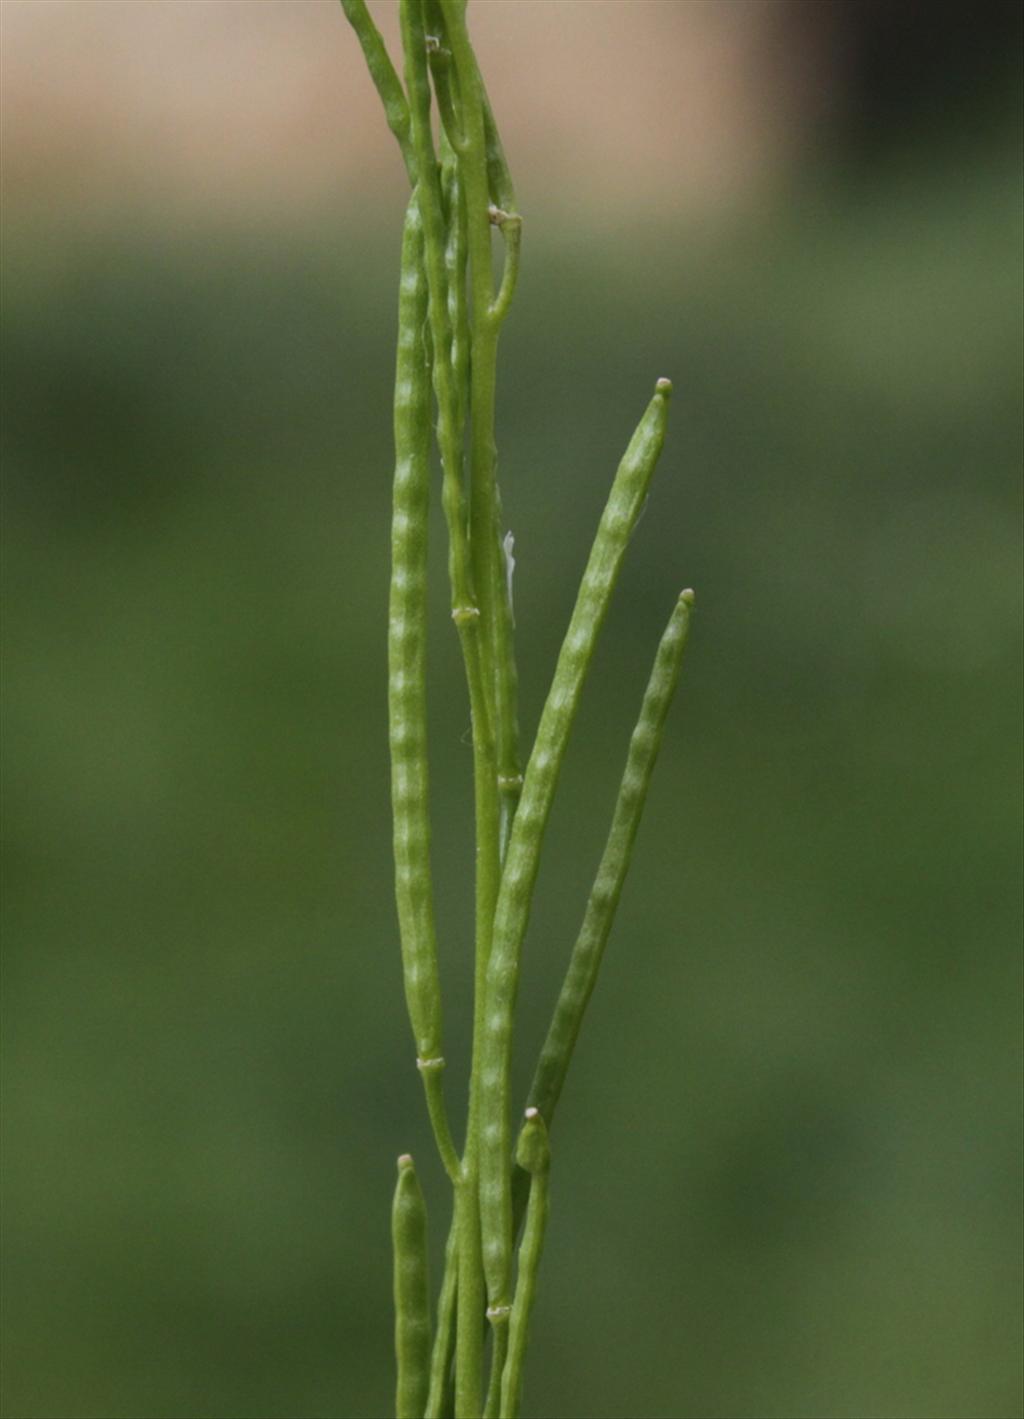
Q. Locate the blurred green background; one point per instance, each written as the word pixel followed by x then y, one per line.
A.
pixel 787 1169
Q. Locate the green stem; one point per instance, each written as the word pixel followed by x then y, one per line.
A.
pixel 439 1396
pixel 534 1156
pixel 506 685
pixel 412 1299
pixel 445 86
pixel 520 870
pixel 510 773
pixel 431 1070
pixel 469 1345
pixel 499 1352
pixel 456 257
pixel 511 227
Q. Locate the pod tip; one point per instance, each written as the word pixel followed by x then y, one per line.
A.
pixel 689 596
pixel 663 386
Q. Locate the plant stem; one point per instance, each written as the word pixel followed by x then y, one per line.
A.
pixel 469 1343
pixel 534 1156
pixel 455 259
pixel 499 1352
pixel 438 1397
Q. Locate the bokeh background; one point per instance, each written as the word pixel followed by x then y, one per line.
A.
pixel 787 1168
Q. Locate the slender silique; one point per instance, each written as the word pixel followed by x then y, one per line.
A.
pixel 412 1298
pixel 407 636
pixel 407 696
pixel 520 871
pixel 387 83
pixel 585 962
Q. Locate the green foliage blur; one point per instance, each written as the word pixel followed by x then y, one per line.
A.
pixel 786 1170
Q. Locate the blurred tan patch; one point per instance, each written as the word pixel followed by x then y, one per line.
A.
pixel 235 109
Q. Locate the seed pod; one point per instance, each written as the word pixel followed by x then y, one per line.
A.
pixel 585 961
pixel 407 626
pixel 412 1303
pixel 520 871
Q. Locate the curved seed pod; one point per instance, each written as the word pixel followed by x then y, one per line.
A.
pixel 412 1303
pixel 407 704
pixel 585 962
pixel 512 913
pixel 387 82
pixel 534 1156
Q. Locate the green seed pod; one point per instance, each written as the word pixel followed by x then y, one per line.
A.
pixel 520 871
pixel 533 1151
pixel 407 699
pixel 412 1302
pixel 382 72
pixel 586 956
pixel 585 961
pixel 407 649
